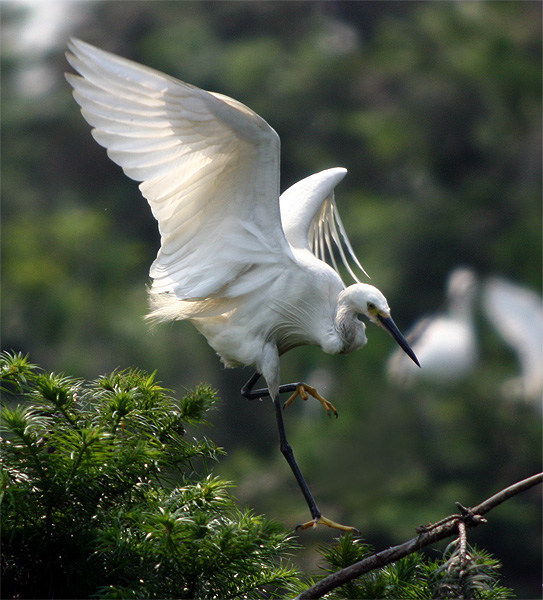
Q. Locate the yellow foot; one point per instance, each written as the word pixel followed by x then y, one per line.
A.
pixel 324 521
pixel 304 391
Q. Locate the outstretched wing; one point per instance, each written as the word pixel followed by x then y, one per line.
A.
pixel 311 220
pixel 517 314
pixel 209 167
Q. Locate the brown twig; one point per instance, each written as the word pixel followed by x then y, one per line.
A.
pixel 470 517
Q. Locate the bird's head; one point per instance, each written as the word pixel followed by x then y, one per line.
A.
pixel 362 300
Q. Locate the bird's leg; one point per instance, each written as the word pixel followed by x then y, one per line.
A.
pixel 297 389
pixel 248 392
pixel 286 450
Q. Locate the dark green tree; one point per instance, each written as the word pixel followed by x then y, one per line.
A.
pixel 101 496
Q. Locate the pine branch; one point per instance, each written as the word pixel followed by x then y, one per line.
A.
pixel 451 525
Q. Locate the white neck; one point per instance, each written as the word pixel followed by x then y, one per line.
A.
pixel 351 331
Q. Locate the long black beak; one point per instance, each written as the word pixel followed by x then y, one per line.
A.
pixel 388 325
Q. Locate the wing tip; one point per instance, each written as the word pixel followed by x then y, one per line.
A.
pixel 77 47
pixel 337 173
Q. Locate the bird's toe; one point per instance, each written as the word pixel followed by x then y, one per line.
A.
pixel 321 520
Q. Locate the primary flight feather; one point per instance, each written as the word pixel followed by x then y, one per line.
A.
pixel 244 265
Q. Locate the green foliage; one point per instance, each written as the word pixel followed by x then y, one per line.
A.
pixel 466 573
pixel 101 496
pixel 472 576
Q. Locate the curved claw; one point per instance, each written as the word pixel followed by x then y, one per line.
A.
pixel 324 521
pixel 304 391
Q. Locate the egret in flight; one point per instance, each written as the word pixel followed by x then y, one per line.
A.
pixel 246 267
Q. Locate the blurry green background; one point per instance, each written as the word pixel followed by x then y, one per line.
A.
pixel 435 110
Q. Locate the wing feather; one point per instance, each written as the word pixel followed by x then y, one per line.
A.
pixel 311 220
pixel 208 165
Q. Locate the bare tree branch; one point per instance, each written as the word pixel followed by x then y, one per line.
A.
pixel 470 517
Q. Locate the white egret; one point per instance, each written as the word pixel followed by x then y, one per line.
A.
pixel 445 344
pixel 516 313
pixel 244 268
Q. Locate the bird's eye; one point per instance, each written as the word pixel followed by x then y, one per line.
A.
pixel 360 316
pixel 371 306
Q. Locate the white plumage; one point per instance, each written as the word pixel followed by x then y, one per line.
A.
pixel 446 344
pixel 247 269
pixel 516 312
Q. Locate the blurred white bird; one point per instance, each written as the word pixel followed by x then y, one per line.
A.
pixel 517 315
pixel 445 344
pixel 247 270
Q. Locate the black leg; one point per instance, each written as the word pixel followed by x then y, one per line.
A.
pixel 295 389
pixel 286 450
pixel 248 392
